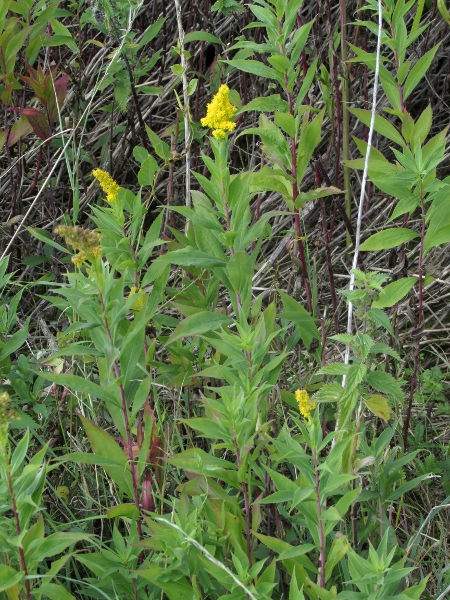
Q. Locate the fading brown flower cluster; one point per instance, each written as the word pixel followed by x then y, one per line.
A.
pixel 7 414
pixel 85 241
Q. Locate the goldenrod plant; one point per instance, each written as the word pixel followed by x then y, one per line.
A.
pixel 213 383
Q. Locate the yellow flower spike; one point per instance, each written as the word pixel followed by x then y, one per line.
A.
pixel 305 406
pixel 219 112
pixel 108 185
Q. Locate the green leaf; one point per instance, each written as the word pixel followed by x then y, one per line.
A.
pixel 286 122
pixel 54 543
pixel 379 407
pixel 78 384
pixel 389 238
pixel 179 590
pixel 310 136
pixel 385 383
pixel 394 292
pixel 201 322
pixel 146 173
pixel 191 257
pixel 271 180
pixel 330 392
pixel 86 458
pixel 294 312
pixel 436 238
pixel 406 487
pixel 202 36
pixel 240 272
pixel 151 32
pixel 266 104
pixel 123 510
pixel 20 452
pixel 140 154
pixel 15 341
pixel 55 591
pixel 255 68
pixel 161 148
pixel 381 125
pixel 418 71
pixel 9 577
pixel 103 445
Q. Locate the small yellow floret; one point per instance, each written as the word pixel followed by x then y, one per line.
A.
pixel 107 183
pixel 305 405
pixel 219 112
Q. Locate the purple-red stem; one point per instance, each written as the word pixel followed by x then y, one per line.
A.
pixel 297 220
pixel 419 325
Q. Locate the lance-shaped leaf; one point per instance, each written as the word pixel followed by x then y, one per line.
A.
pixel 38 121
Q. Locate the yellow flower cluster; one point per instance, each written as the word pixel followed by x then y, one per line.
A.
pixel 219 112
pixel 108 185
pixel 85 241
pixel 305 405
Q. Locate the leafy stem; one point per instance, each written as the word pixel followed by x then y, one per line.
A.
pixel 126 421
pixel 419 324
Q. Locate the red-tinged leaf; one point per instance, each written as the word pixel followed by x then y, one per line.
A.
pixel 61 92
pixel 20 129
pixel 3 136
pixel 38 122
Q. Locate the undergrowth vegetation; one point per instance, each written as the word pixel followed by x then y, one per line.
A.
pixel 224 317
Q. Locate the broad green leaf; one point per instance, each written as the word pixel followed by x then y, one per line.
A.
pixel 146 173
pixel 286 122
pixel 9 577
pixel 438 237
pixel 151 32
pixel 240 271
pixel 381 125
pixel 104 445
pixel 406 487
pixel 418 71
pixel 266 104
pixel 54 543
pixel 161 148
pixel 271 180
pixel 20 452
pixel 294 312
pixel 86 458
pixel 255 68
pixel 78 384
pixel 394 292
pixel 123 510
pixel 178 590
pixel 191 257
pixel 140 154
pixel 201 322
pixel 55 591
pixel 389 238
pixel 385 383
pixel 379 407
pixel 202 36
pixel 330 392
pixel 310 136
pixel 15 341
